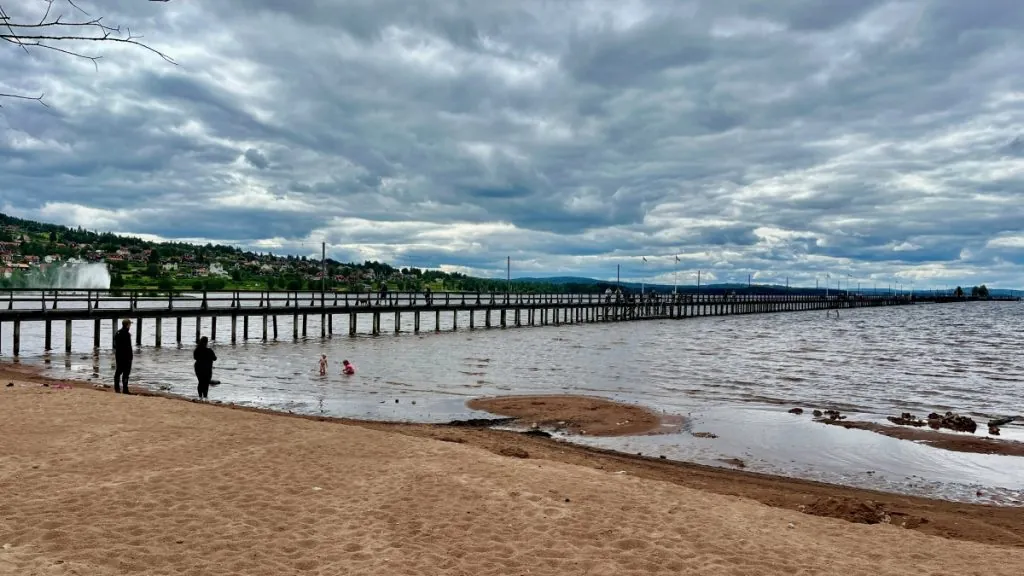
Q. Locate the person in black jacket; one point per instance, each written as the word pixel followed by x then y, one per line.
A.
pixel 204 358
pixel 123 356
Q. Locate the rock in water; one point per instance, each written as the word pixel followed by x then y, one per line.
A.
pixel 796 411
pixel 906 419
pixel 953 422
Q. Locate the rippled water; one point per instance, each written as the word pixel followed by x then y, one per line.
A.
pixel 735 376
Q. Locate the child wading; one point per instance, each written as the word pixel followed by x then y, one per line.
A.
pixel 347 368
pixel 204 358
pixel 323 364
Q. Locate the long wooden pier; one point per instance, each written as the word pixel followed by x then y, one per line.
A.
pixel 488 310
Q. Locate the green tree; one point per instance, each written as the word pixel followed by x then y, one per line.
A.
pixel 982 291
pixel 959 293
pixel 165 284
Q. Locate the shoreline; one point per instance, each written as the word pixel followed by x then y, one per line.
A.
pixel 951 441
pixel 962 521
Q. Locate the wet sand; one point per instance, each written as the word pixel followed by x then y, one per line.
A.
pixel 577 414
pixel 944 440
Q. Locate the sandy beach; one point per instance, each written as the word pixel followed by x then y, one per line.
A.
pixel 98 483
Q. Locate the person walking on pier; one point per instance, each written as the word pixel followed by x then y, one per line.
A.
pixel 204 357
pixel 123 356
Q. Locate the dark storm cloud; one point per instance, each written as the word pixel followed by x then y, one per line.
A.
pixel 780 139
pixel 256 158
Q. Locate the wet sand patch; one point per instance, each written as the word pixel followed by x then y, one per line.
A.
pixel 943 440
pixel 586 415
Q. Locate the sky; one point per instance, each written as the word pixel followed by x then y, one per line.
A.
pixel 872 141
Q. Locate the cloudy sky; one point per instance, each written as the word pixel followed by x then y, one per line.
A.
pixel 874 140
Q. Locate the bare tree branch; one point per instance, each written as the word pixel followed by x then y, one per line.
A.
pixel 57 34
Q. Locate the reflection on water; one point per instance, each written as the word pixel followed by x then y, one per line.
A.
pixel 959 357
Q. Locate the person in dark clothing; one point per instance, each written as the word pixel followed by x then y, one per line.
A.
pixel 123 356
pixel 204 358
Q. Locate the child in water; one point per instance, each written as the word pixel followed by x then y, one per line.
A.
pixel 347 368
pixel 323 364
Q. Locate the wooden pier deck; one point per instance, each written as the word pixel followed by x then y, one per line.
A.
pixel 493 309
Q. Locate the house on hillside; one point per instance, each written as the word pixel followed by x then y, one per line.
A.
pixel 169 266
pixel 216 269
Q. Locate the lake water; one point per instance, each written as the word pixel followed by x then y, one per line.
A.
pixel 732 376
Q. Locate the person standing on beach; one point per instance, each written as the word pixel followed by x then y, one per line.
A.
pixel 123 356
pixel 204 358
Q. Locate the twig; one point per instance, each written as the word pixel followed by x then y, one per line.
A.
pixel 48 32
pixel 21 97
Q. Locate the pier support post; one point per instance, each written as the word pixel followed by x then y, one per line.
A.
pixel 234 328
pixel 472 324
pixel 113 331
pixel 398 321
pixel 159 331
pixel 274 321
pixel 199 328
pixel 304 317
pixel 502 318
pixel 455 320
pixel 67 336
pixel 376 324
pixel 330 325
pixel 177 330
pixel 295 327
pixel 17 338
pixel 96 334
pixel 264 327
pixel 437 320
pixel 352 323
pixel 416 322
pixel 213 328
pixel 245 328
pixel 48 344
pixel 487 318
pixel 323 325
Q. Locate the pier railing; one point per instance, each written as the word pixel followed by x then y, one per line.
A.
pixel 22 302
